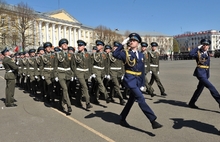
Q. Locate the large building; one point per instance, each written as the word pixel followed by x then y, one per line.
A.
pixel 191 40
pixel 52 26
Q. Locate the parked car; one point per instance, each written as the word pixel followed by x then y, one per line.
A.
pixel 217 53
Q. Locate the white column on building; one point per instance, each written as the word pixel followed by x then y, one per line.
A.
pixel 74 34
pixel 53 34
pixel 84 35
pixel 79 33
pixel 40 32
pixel 34 33
pixel 88 38
pixel 64 31
pixel 70 37
pixel 59 32
pixel 47 33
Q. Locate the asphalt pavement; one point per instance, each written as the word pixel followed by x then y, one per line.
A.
pixel 35 121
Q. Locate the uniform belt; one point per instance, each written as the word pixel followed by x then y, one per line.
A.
pixel 133 72
pixel 38 69
pixel 48 69
pixel 203 66
pixel 115 68
pixel 101 68
pixel 80 69
pixel 63 69
pixel 31 68
pixel 145 66
pixel 152 65
pixel 19 67
pixel 25 68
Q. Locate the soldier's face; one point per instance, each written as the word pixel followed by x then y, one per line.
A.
pixel 32 54
pixel 48 49
pixel 41 52
pixel 143 48
pixel 64 46
pixel 205 47
pixel 108 50
pixel 133 44
pixel 100 47
pixel 154 48
pixel 81 48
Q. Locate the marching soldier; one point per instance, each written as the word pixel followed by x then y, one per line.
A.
pixel 25 75
pixel 99 71
pixel 149 88
pixel 83 72
pixel 20 70
pixel 64 67
pixel 134 79
pixel 11 68
pixel 40 81
pixel 116 73
pixel 47 71
pixel 154 67
pixel 31 71
pixel 72 85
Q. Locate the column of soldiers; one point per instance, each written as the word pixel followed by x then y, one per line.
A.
pixel 58 72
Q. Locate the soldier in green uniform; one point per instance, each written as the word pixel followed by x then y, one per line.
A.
pixel 25 73
pixel 107 78
pixel 83 72
pixel 31 71
pixel 72 85
pixel 40 81
pixel 149 88
pixel 47 71
pixel 11 68
pixel 64 67
pixel 19 64
pixel 154 67
pixel 116 73
pixel 99 71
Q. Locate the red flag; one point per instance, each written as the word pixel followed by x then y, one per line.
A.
pixel 16 49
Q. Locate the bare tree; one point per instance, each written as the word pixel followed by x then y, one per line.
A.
pixel 23 21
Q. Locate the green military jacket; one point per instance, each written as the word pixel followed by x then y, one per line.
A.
pixel 38 61
pixel 64 65
pixel 47 65
pixel 154 60
pixel 20 65
pixel 10 67
pixel 83 64
pixel 146 61
pixel 25 66
pixel 99 62
pixel 116 67
pixel 32 67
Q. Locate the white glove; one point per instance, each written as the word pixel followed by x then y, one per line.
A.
pixel 17 63
pixel 56 79
pixel 199 46
pixel 43 77
pixel 158 72
pixel 108 76
pixel 142 88
pixel 23 74
pixel 28 75
pixel 122 77
pixel 36 77
pixel 72 78
pixel 125 41
pixel 76 78
pixel 93 75
pixel 150 72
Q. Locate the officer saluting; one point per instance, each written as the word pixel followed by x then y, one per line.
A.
pixel 11 68
pixel 134 79
pixel 202 72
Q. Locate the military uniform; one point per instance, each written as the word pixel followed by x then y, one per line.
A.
pixel 202 72
pixel 99 71
pixel 134 79
pixel 83 72
pixel 64 67
pixel 116 73
pixel 154 67
pixel 11 68
pixel 32 71
pixel 25 76
pixel 149 88
pixel 47 71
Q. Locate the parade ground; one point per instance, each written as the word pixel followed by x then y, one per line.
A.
pixel 35 121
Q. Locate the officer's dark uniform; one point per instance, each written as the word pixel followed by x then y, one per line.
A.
pixel 134 79
pixel 11 68
pixel 202 73
pixel 149 88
